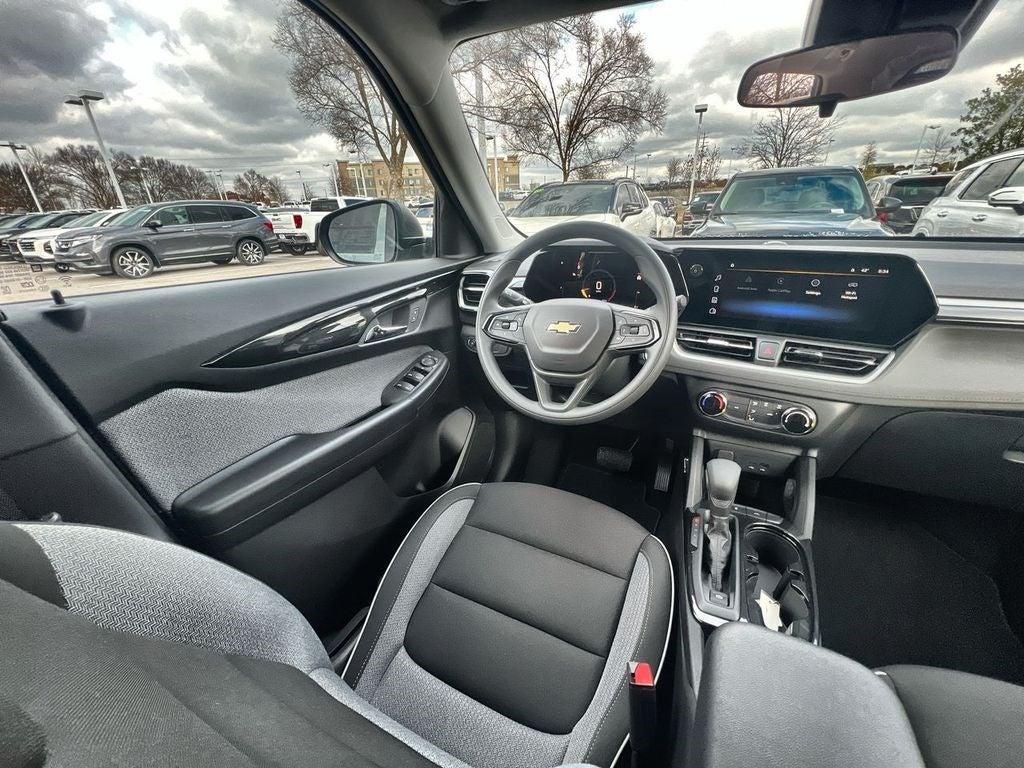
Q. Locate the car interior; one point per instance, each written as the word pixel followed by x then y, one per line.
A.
pixel 479 499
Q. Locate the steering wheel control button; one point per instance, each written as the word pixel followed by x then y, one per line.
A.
pixel 768 350
pixel 507 327
pixel 712 403
pixel 799 420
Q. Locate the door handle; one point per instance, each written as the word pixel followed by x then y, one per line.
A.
pixel 942 214
pixel 381 332
pixel 979 217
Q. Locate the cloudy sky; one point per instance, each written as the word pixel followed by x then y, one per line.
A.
pixel 200 81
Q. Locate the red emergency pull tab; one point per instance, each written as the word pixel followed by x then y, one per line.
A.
pixel 640 674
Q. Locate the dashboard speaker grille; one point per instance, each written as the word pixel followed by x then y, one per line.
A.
pixel 721 344
pixel 471 288
pixel 856 362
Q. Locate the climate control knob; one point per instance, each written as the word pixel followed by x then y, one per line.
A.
pixel 798 420
pixel 712 403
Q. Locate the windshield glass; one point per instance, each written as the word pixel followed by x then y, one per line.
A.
pixel 86 220
pixel 136 216
pixel 567 200
pixel 648 93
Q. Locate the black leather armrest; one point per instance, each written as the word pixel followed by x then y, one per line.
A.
pixel 772 701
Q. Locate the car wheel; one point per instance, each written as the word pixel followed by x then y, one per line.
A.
pixel 62 268
pixel 297 250
pixel 132 263
pixel 251 252
pixel 222 260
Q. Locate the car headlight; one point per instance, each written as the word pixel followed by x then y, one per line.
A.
pixel 80 241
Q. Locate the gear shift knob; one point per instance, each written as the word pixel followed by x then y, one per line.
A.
pixel 722 478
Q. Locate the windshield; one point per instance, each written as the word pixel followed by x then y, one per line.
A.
pixel 86 220
pixel 813 193
pixel 648 92
pixel 567 200
pixel 135 216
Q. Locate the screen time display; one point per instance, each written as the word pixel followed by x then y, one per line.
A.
pixel 867 298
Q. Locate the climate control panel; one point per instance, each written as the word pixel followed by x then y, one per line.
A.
pixel 757 412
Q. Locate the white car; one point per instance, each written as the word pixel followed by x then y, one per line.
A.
pixel 36 246
pixel 984 199
pixel 425 216
pixel 666 226
pixel 296 229
pixel 619 202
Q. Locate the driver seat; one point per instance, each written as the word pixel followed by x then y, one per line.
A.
pixel 498 637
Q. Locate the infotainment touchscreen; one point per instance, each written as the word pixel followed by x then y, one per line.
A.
pixel 875 299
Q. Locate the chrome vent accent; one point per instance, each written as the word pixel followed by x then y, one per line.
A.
pixel 471 288
pixel 720 344
pixel 856 362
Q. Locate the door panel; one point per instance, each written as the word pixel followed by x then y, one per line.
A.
pixel 273 462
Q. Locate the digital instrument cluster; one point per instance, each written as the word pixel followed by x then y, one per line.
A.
pixel 587 273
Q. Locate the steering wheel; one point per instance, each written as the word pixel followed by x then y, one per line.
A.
pixel 571 342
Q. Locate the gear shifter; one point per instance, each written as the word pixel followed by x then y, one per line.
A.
pixel 722 478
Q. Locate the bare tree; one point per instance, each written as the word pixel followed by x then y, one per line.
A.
pixel 333 89
pixel 571 93
pixel 789 137
pixel 868 158
pixel 938 148
pixel 276 189
pixel 83 176
pixel 252 186
pixel 674 169
pixel 707 164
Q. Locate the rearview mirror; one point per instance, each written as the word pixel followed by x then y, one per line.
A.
pixel 829 74
pixel 372 232
pixel 888 205
pixel 1008 197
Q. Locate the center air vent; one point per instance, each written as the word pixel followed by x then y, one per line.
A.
pixel 856 362
pixel 721 344
pixel 471 288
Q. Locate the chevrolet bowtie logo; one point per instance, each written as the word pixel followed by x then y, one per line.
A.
pixel 563 326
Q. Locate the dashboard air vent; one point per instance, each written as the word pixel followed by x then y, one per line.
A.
pixel 721 344
pixel 471 288
pixel 856 362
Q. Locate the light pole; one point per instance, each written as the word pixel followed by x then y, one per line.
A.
pixel 221 189
pixel 302 187
pixel 828 149
pixel 699 109
pixel 494 138
pixel 82 99
pixel 334 178
pixel 14 149
pixel 142 177
pixel 647 168
pixel 920 142
pixel 735 153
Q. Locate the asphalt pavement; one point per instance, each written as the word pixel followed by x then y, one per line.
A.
pixel 20 282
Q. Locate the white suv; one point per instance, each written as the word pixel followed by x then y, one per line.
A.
pixel 984 199
pixel 619 202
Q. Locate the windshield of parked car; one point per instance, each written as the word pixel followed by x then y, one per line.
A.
pixel 86 220
pixel 786 193
pixel 567 200
pixel 649 92
pixel 136 216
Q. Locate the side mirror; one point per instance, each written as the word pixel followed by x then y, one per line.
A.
pixel 630 209
pixel 699 208
pixel 888 205
pixel 154 224
pixel 1008 197
pixel 372 232
pixel 828 74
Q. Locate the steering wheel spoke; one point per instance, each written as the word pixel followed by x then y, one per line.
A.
pixel 635 330
pixel 507 327
pixel 581 383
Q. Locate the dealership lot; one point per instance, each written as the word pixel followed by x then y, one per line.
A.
pixel 18 282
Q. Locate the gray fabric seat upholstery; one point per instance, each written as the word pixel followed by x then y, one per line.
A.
pixel 498 637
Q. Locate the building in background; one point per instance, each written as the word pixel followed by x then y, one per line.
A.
pixel 371 178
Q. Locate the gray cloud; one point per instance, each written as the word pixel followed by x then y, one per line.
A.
pixel 30 30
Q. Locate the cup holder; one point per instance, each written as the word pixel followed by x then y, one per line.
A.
pixel 776 582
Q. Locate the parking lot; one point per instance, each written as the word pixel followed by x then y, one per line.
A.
pixel 19 282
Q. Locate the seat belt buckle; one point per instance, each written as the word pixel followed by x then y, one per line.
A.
pixel 643 711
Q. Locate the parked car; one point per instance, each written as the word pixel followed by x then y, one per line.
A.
pixel 10 232
pixel 796 202
pixel 984 199
pixel 668 203
pixel 425 215
pixel 162 234
pixel 916 191
pixel 37 246
pixel 620 202
pixel 297 228
pixel 666 226
pixel 703 201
